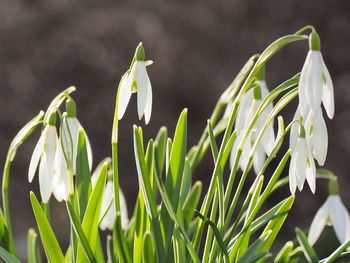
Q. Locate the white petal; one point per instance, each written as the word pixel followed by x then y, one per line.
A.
pixel 88 145
pixel 320 139
pixel 303 103
pixel 50 148
pixel 292 175
pixel 314 83
pixel 319 222
pixel 263 88
pixel 61 180
pixel 300 162
pixel 259 159
pixel 45 180
pixel 124 94
pixel 243 111
pixel 142 89
pixel 123 210
pixel 327 93
pixel 340 218
pixel 311 173
pixel 73 126
pixel 38 150
pixel 294 132
pixel 148 108
pixel 108 195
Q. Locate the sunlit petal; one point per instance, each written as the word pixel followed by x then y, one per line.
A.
pixel 340 218
pixel 124 94
pixel 319 222
pixel 38 150
pixel 142 89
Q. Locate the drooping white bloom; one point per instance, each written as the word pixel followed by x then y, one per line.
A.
pixel 248 108
pixel 61 181
pixel 70 132
pixel 332 212
pixel 72 128
pixel 136 80
pixel 317 135
pixel 45 153
pixel 302 166
pixel 315 85
pixel 107 212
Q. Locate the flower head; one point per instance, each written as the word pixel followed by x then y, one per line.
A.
pixel 332 212
pixel 302 165
pixel 136 80
pixel 315 84
pixel 45 153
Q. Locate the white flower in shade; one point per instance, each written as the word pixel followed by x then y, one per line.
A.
pixel 107 212
pixel 45 153
pixel 315 85
pixel 71 130
pixel 248 108
pixel 302 165
pixel 332 212
pixel 136 80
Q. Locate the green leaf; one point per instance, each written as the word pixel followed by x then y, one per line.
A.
pixel 83 178
pixel 149 250
pixel 92 214
pixel 309 252
pixel 191 203
pixel 4 234
pixel 122 250
pixel 283 254
pixel 80 233
pixel 252 254
pixel 160 149
pixel 48 238
pixel 111 257
pixel 9 258
pixel 174 177
pixel 147 192
pixel 32 246
pixel 215 231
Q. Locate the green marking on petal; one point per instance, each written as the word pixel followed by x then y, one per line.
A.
pixel 134 87
pixel 324 79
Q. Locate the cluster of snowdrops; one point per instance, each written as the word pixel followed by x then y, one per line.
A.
pixel 172 220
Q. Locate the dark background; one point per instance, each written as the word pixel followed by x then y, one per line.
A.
pixel 197 48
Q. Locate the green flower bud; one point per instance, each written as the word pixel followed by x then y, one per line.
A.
pixel 333 187
pixel 257 93
pixel 52 119
pixel 140 53
pixel 71 108
pixel 314 41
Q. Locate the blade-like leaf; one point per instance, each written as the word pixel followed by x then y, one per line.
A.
pixel 309 252
pixel 48 238
pixel 7 257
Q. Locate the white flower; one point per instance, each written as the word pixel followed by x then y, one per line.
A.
pixel 317 135
pixel 136 80
pixel 107 212
pixel 332 212
pixel 315 85
pixel 74 127
pixel 70 129
pixel 302 166
pixel 61 179
pixel 248 108
pixel 45 153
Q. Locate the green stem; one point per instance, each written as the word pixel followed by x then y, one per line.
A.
pixel 5 203
pixel 305 28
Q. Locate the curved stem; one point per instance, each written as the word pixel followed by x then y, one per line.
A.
pixel 305 28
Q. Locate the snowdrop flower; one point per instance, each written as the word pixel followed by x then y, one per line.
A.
pixel 315 85
pixel 248 108
pixel 108 213
pixel 332 212
pixel 302 165
pixel 45 153
pixel 62 181
pixel 71 130
pixel 136 80
pixel 317 135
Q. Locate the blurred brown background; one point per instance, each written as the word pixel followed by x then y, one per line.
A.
pixel 197 48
